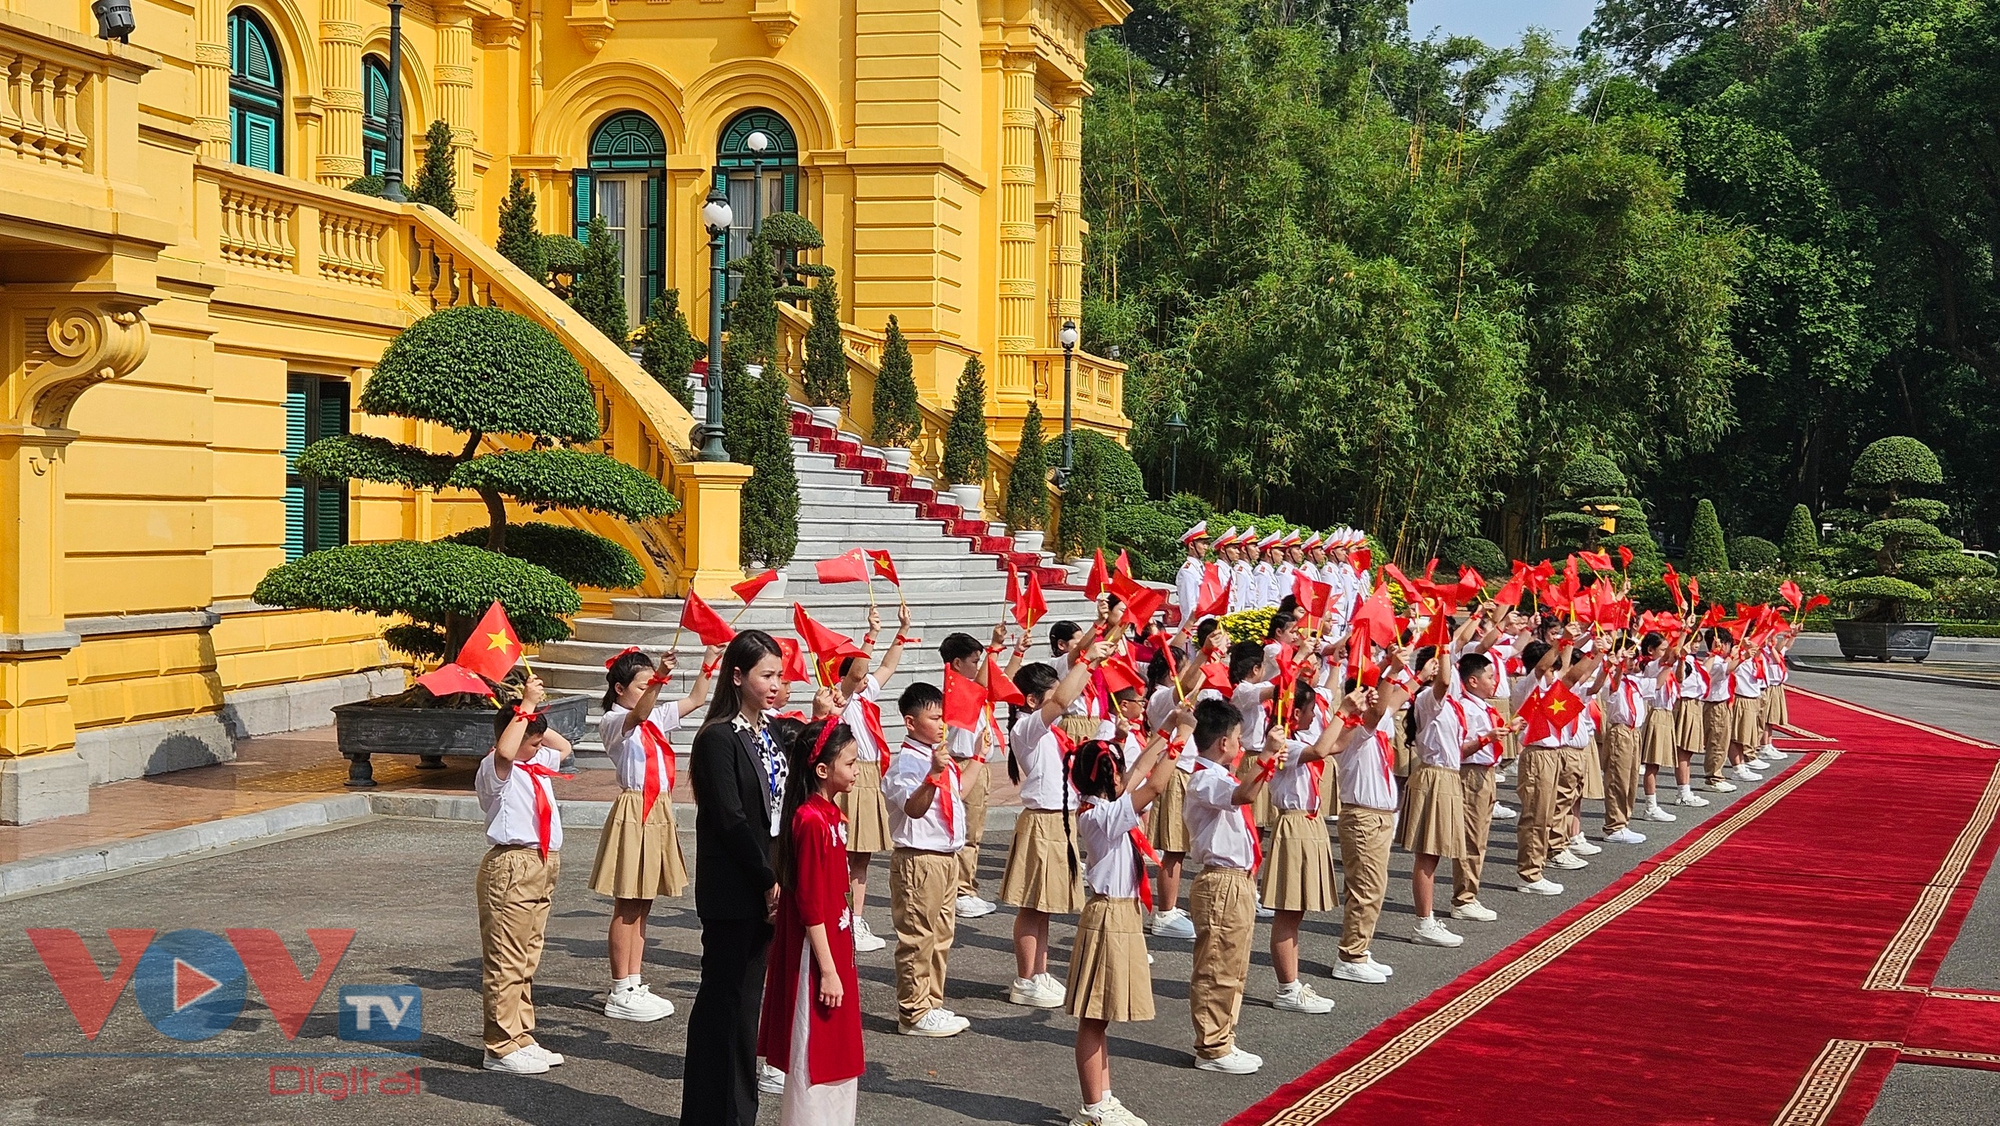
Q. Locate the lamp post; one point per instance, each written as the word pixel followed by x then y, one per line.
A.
pixel 756 142
pixel 716 216
pixel 392 164
pixel 1176 426
pixel 1068 339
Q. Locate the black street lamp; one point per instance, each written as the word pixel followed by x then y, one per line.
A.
pixel 1068 339
pixel 716 216
pixel 756 142
pixel 392 164
pixel 1176 426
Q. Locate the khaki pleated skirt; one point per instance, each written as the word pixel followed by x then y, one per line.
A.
pixel 1656 741
pixel 1262 810
pixel 1168 828
pixel 1080 727
pixel 1689 735
pixel 1298 868
pixel 1108 975
pixel 1434 819
pixel 1406 755
pixel 867 814
pixel 1774 706
pixel 1038 876
pixel 639 857
pixel 1745 714
pixel 1593 768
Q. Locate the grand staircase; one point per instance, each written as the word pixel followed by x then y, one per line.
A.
pixel 953 573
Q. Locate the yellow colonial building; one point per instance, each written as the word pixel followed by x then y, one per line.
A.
pixel 188 294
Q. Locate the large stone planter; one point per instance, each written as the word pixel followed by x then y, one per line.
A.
pixel 1884 641
pixel 367 728
pixel 969 498
pixel 828 417
pixel 1029 542
pixel 897 458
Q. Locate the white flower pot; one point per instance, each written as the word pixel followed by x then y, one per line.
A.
pixel 871 452
pixel 698 391
pixel 970 498
pixel 923 483
pixel 1029 542
pixel 827 416
pixel 754 371
pixel 897 458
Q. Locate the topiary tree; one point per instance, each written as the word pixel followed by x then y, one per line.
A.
pixel 1894 559
pixel 768 273
pixel 1482 555
pixel 1705 550
pixel 1591 487
pixel 898 415
pixel 758 415
pixel 520 243
pixel 1080 524
pixel 1028 481
pixel 437 176
pixel 825 374
pixel 1799 549
pixel 563 258
pixel 479 371
pixel 600 285
pixel 964 461
pixel 370 185
pixel 667 350
pixel 1118 474
pixel 1753 553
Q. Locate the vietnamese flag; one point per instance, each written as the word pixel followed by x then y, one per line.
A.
pixel 1312 595
pixel 1141 602
pixel 964 701
pixel 1120 672
pixel 1694 590
pixel 1792 594
pixel 450 680
pixel 1624 557
pixel 1598 560
pixel 999 689
pixel 1673 580
pixel 1214 602
pixel 493 647
pixel 750 588
pixel 885 567
pixel 708 625
pixel 1510 593
pixel 826 645
pixel 1470 583
pixel 1550 712
pixel 1100 578
pixel 795 661
pixel 1013 584
pixel 1124 564
pixel 1215 675
pixel 1031 605
pixel 1362 558
pixel 847 567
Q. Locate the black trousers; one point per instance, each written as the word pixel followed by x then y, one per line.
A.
pixel 719 1087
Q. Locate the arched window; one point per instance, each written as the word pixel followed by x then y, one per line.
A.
pixel 625 184
pixel 256 94
pixel 779 165
pixel 374 115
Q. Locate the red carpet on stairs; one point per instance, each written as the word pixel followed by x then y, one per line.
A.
pixel 1790 944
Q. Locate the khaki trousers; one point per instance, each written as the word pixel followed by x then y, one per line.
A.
pixel 1478 786
pixel 1541 770
pixel 1619 751
pixel 514 888
pixel 1365 835
pixel 922 886
pixel 1223 906
pixel 977 781
pixel 1715 729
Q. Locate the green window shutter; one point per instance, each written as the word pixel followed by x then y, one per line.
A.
pixel 329 506
pixel 260 141
pixel 791 191
pixel 656 237
pixel 580 215
pixel 297 410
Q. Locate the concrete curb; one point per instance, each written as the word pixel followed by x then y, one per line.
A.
pixel 1866 673
pixel 41 873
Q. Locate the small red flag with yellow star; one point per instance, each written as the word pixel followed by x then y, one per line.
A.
pixel 493 647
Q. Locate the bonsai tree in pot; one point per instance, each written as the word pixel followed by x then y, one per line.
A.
pixel 1028 485
pixel 481 372
pixel 964 463
pixel 1892 551
pixel 898 417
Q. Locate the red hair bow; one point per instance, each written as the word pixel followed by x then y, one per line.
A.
pixel 617 657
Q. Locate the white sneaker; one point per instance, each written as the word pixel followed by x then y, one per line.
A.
pixel 1110 1112
pixel 1173 923
pixel 1568 861
pixel 1054 990
pixel 1300 998
pixel 1581 846
pixel 1237 1062
pixel 1772 753
pixel 1756 765
pixel 973 907
pixel 1542 886
pixel 1721 786
pixel 1264 912
pixel 637 1003
pixel 1653 812
pixel 1476 911
pixel 520 1061
pixel 1430 932
pixel 1625 836
pixel 553 1059
pixel 1361 973
pixel 1027 992
pixel 1505 812
pixel 770 1081
pixel 1385 971
pixel 1691 799
pixel 936 1023
pixel 1744 774
pixel 865 941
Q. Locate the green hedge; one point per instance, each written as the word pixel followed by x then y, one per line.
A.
pixel 1753 553
pixel 568 479
pixel 474 367
pixel 427 581
pixel 1482 555
pixel 1150 536
pixel 578 557
pixel 361 457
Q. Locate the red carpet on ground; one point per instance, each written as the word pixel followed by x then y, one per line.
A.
pixel 1792 942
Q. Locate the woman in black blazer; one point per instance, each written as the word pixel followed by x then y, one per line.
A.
pixel 738 773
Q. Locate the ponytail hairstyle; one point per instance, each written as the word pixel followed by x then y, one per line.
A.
pixel 815 743
pixel 1093 770
pixel 744 653
pixel 620 672
pixel 1036 680
pixel 1158 671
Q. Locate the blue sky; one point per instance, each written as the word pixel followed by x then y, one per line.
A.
pixel 1500 22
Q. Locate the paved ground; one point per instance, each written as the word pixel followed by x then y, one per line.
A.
pixel 405 887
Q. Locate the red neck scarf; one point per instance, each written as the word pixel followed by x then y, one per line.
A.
pixel 659 766
pixel 545 810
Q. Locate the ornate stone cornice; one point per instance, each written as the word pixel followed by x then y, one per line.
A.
pixel 86 341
